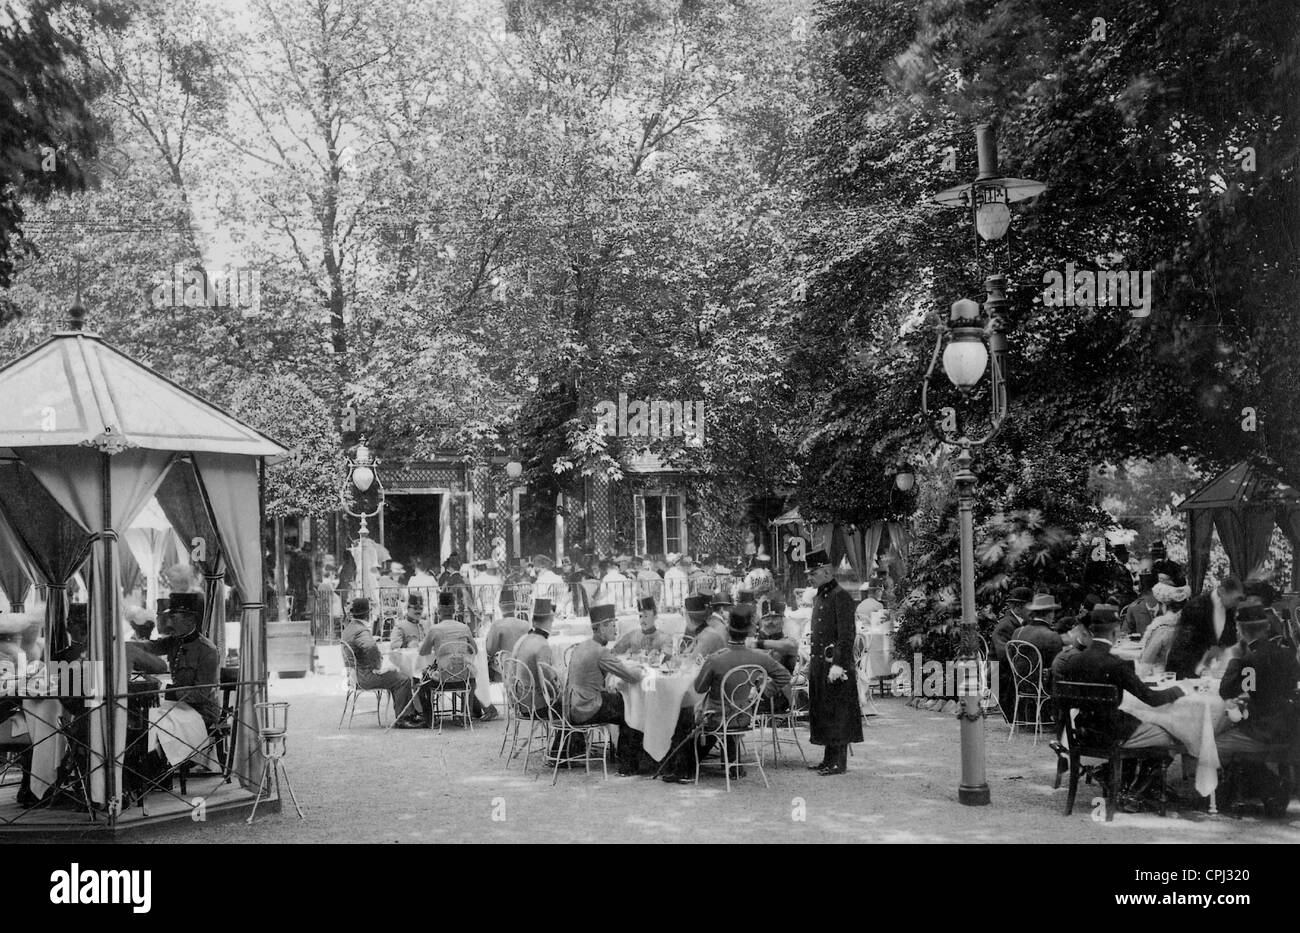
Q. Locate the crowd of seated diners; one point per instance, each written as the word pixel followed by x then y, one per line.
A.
pixel 168 644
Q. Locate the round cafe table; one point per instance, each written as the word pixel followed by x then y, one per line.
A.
pixel 1194 720
pixel 652 706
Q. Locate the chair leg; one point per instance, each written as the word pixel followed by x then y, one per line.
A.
pixel 1015 715
pixel 1116 780
pixel 726 760
pixel 1074 784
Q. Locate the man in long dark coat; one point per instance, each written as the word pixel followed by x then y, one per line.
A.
pixel 834 716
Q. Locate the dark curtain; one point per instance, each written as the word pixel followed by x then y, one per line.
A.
pixel 1200 532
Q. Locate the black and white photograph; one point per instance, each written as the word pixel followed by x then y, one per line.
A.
pixel 450 422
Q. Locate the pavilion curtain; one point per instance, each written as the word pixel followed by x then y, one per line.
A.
pixel 1288 519
pixel 900 546
pixel 870 545
pixel 183 502
pixel 73 477
pixel 17 570
pixel 1200 532
pixel 54 544
pixel 147 545
pixel 853 547
pixel 231 485
pixel 1245 535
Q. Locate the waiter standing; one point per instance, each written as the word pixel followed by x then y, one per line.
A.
pixel 834 716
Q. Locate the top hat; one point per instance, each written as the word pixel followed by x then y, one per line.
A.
pixel 745 597
pixel 1043 601
pixel 604 612
pixel 814 559
pixel 775 607
pixel 646 604
pixel 740 620
pixel 1021 594
pixel 697 602
pixel 415 601
pixel 719 599
pixel 542 608
pixel 446 598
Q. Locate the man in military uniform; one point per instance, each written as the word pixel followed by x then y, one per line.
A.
pixel 706 636
pixel 647 638
pixel 409 632
pixel 193 660
pixel 834 715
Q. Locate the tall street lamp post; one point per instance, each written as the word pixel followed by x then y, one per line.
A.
pixel 973 340
pixel 362 475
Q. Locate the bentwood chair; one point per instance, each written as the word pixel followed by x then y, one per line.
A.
pixel 568 653
pixel 452 677
pixel 1027 672
pixel 742 692
pixel 988 681
pixel 350 700
pixel 774 723
pixel 685 644
pixel 563 728
pixel 519 693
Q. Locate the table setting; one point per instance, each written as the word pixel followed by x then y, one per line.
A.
pixel 653 704
pixel 1194 719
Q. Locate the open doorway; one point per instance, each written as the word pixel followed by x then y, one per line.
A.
pixel 412 527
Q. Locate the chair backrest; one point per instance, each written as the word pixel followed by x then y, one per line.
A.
pixel 568 653
pixel 349 664
pixel 1026 664
pixel 453 661
pixel 1071 695
pixel 742 691
pixel 518 681
pixel 859 646
pixel 685 643
pixel 553 691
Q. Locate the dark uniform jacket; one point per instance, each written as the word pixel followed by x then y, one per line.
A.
pixel 1048 643
pixel 1270 712
pixel 1003 631
pixel 193 660
pixel 835 716
pixel 1195 635
pixel 712 680
pixel 1096 665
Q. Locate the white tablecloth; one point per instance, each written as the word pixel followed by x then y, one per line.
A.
pixel 411 663
pixel 40 721
pixel 177 729
pixel 652 706
pixel 1194 720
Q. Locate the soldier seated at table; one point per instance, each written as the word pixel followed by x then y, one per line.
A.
pixel 587 699
pixel 365 648
pixel 504 634
pixel 1097 665
pixel 704 636
pixel 409 631
pixel 534 649
pixel 712 680
pixel 648 638
pixel 782 648
pixel 449 638
pixel 1263 681
pixel 193 660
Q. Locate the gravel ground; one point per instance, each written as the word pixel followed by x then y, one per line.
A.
pixel 365 785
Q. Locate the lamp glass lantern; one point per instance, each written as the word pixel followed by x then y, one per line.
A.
pixel 904 479
pixel 992 216
pixel 966 357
